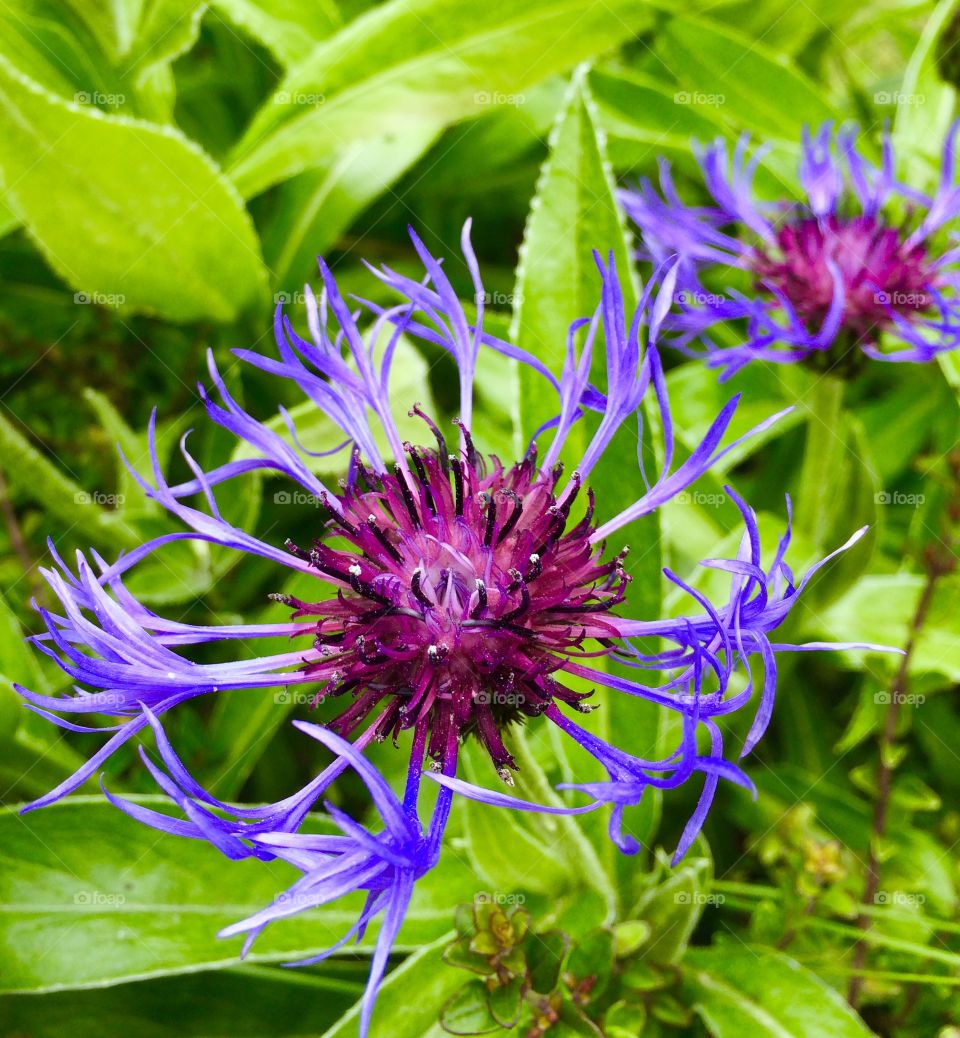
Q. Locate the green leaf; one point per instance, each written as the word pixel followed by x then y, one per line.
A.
pixel 404 66
pixel 314 208
pixel 468 1012
pixel 673 908
pixel 113 56
pixel 878 608
pixel 245 1000
pixel 130 214
pixel 643 120
pixel 398 1015
pixel 739 990
pixel 289 29
pixel 749 84
pixel 80 875
pixel 573 214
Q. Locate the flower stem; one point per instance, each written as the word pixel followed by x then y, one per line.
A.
pixel 822 459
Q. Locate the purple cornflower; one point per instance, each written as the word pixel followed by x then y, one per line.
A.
pixel 856 268
pixel 469 594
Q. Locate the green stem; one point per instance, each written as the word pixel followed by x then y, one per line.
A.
pixel 823 459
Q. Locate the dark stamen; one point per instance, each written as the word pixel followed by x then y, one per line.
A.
pixel 457 467
pixel 407 496
pixel 441 442
pixel 422 474
pixel 468 440
pixel 381 536
pixel 417 589
pixel 514 515
pixel 481 607
pixel 294 550
pixel 491 511
pixel 336 517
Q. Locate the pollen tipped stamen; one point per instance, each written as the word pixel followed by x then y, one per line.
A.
pixel 443 449
pixel 381 536
pixel 335 517
pixel 471 450
pixel 422 476
pixel 481 607
pixel 417 588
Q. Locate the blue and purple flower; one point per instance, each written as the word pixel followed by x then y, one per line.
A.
pixel 858 267
pixel 468 595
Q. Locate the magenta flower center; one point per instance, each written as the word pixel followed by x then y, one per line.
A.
pixel 463 587
pixel 882 274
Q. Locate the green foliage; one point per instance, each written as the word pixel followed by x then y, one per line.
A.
pixel 170 171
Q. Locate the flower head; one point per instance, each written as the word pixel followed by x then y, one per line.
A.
pixel 467 594
pixel 853 269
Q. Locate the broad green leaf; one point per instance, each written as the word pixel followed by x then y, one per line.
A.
pixel 405 66
pixel 751 86
pixel 314 208
pixel 81 875
pixel 112 56
pixel 246 1000
pixel 879 608
pixel 573 214
pixel 130 214
pixel 739 990
pixel 476 158
pixel 289 29
pixel 410 999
